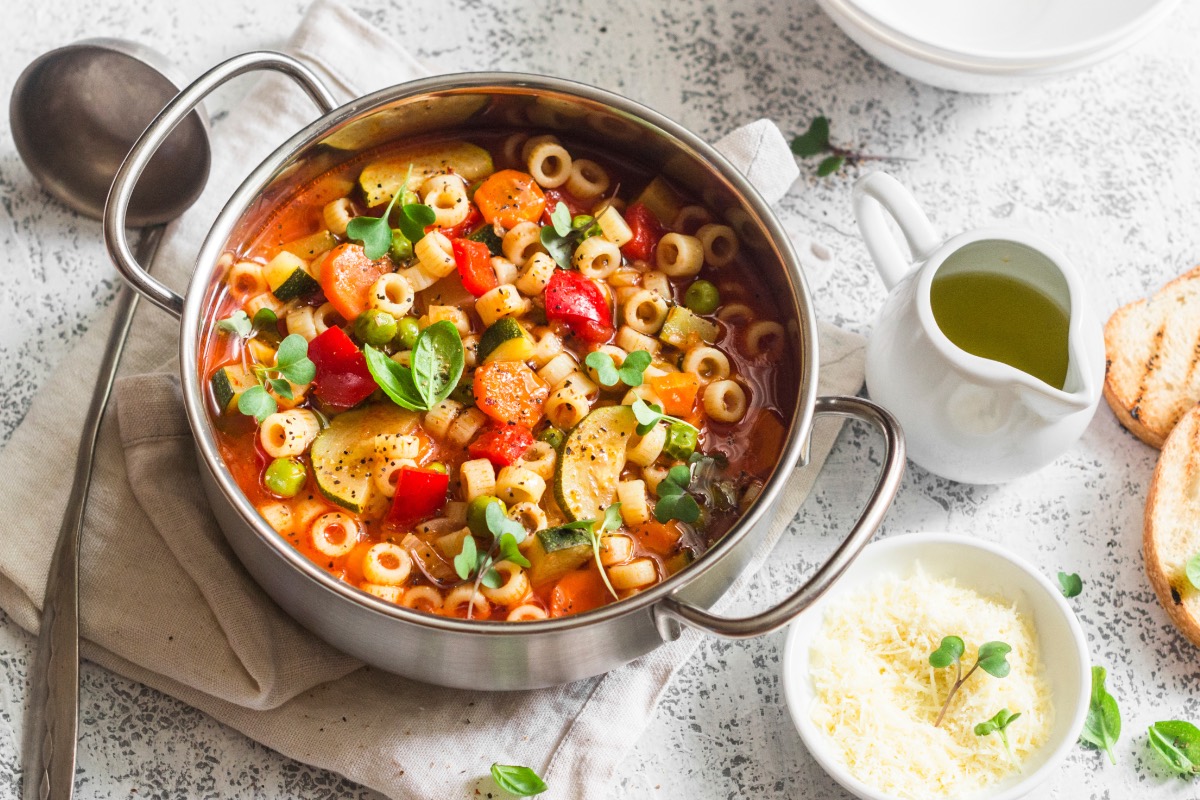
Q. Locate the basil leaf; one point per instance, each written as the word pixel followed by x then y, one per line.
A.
pixel 993 659
pixel 395 379
pixel 950 650
pixel 1178 744
pixel 282 388
pixel 467 559
pixel 237 323
pixel 606 370
pixel 1071 585
pixel 517 780
pixel 437 362
pixel 255 402
pixel 813 141
pixel 1102 727
pixel 1193 570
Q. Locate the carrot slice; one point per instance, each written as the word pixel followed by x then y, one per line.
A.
pixel 658 537
pixel 509 197
pixel 509 391
pixel 347 276
pixel 677 390
pixel 578 591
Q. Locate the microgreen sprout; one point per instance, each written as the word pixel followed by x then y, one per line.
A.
pixel 292 366
pixel 507 535
pixel 815 142
pixel 375 234
pixel 997 724
pixel 629 373
pixel 992 659
pixel 564 233
pixel 1102 726
pixel 650 414
pixel 596 529
pixel 674 502
pixel 243 326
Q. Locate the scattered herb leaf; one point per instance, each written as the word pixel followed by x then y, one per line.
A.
pixel 255 402
pixel 500 525
pixel 1102 727
pixel 467 558
pixel 373 233
pixel 292 366
pixel 1178 744
pixel 238 324
pixel 1071 585
pixel 517 780
pixel 815 142
pixel 997 724
pixel 949 651
pixel 674 502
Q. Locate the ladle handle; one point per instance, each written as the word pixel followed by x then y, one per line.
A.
pixel 115 237
pixel 671 608
pixel 876 193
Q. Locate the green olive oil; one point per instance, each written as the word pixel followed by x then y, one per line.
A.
pixel 994 316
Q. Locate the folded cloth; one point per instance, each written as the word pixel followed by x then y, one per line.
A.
pixel 165 602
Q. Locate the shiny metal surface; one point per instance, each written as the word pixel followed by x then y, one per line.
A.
pixel 502 655
pixel 76 111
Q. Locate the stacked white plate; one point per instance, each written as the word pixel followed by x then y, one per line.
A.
pixel 994 45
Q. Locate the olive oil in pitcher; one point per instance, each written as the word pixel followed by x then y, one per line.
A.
pixel 994 316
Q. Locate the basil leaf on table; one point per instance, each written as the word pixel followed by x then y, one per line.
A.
pixel 1178 744
pixel 1071 585
pixel 394 379
pixel 1102 727
pixel 437 362
pixel 517 780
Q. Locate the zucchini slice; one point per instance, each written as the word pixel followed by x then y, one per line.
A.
pixel 505 340
pixel 487 235
pixel 343 454
pixel 593 455
pixel 288 276
pixel 683 329
pixel 312 246
pixel 662 200
pixel 228 383
pixel 383 178
pixel 555 552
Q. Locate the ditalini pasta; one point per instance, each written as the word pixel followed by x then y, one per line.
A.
pixel 376 397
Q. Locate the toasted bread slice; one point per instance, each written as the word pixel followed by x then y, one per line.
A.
pixel 1153 352
pixel 1172 530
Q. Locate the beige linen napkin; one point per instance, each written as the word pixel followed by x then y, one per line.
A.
pixel 165 602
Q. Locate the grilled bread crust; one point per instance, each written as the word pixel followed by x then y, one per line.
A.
pixel 1152 376
pixel 1171 534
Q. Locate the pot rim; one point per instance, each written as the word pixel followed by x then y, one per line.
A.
pixel 237 205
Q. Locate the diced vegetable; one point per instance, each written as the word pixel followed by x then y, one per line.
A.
pixel 347 276
pixel 592 458
pixel 343 454
pixel 477 514
pixel 681 441
pixel 343 379
pixel 661 200
pixel 510 197
pixel 503 445
pixel 505 340
pixel 474 262
pixel 285 476
pixel 677 390
pixel 683 329
pixel 228 383
pixel 658 537
pixel 577 301
pixel 679 561
pixel 288 277
pixel 420 493
pixel 312 246
pixel 578 591
pixel 509 391
pixel 487 235
pixel 383 178
pixel 375 327
pixel 555 552
pixel 702 297
pixel 646 231
pixel 460 230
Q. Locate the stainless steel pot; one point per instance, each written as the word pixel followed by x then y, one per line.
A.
pixel 459 652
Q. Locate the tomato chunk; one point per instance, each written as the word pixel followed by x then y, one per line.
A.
pixel 503 445
pixel 474 262
pixel 577 301
pixel 420 493
pixel 509 391
pixel 556 196
pixel 510 197
pixel 347 276
pixel 461 229
pixel 578 591
pixel 343 379
pixel 646 229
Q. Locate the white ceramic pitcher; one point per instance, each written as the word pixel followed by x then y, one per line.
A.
pixel 969 418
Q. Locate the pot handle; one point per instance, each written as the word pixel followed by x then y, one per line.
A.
pixel 115 237
pixel 671 608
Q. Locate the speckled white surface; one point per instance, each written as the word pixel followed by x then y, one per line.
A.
pixel 1105 163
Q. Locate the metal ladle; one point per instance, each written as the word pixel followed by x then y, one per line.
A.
pixel 75 113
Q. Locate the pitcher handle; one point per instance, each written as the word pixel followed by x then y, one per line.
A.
pixel 878 192
pixel 117 205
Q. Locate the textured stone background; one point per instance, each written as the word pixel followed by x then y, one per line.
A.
pixel 1104 163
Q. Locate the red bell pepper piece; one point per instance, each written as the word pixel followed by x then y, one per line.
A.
pixel 420 493
pixel 646 229
pixel 461 229
pixel 577 301
pixel 474 262
pixel 503 445
pixel 556 196
pixel 343 379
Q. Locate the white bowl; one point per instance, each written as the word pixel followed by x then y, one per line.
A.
pixel 991 571
pixel 994 45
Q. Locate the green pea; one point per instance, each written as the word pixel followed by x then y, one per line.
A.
pixel 375 327
pixel 437 466
pixel 407 331
pixel 402 248
pixel 477 514
pixel 702 297
pixel 285 477
pixel 552 436
pixel 681 441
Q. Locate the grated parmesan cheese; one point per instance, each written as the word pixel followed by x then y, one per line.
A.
pixel 877 696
